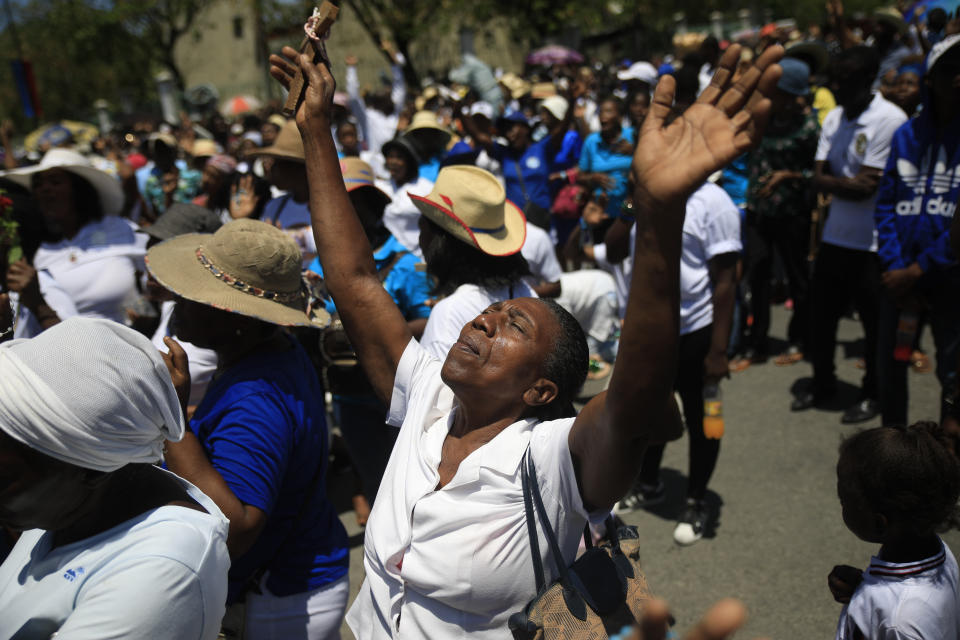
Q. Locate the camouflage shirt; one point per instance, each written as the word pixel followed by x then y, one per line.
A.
pixel 785 146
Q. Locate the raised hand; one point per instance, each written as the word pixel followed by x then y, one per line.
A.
pixel 178 365
pixel 672 160
pixel 318 99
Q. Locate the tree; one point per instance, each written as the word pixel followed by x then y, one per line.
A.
pixel 80 52
pixel 161 23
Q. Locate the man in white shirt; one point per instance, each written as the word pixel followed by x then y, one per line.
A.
pixel 377 118
pixel 853 149
pixel 711 248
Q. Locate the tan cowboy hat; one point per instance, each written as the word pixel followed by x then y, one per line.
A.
pixel 247 267
pixel 517 86
pixel 107 187
pixel 471 205
pixel 542 90
pixel 287 146
pixel 204 148
pixel 427 122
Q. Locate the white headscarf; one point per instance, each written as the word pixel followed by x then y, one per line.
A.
pixel 89 392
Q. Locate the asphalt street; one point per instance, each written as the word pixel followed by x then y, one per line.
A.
pixel 778 529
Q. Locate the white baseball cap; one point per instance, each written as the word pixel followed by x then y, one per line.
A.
pixel 642 71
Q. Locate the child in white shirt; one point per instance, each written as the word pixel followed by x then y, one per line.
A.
pixel 897 486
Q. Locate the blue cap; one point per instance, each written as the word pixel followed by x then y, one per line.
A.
pixel 796 77
pixel 665 69
pixel 512 117
pixel 460 153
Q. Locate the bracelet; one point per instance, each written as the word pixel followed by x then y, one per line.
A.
pixel 8 331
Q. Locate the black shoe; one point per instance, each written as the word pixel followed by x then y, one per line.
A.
pixel 692 523
pixel 810 399
pixel 861 412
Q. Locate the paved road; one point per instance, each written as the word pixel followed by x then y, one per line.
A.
pixel 779 530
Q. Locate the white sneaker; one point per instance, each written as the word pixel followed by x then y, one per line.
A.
pixel 692 523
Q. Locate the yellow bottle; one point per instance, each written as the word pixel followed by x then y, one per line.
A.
pixel 712 411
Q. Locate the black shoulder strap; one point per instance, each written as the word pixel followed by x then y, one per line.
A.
pixel 531 493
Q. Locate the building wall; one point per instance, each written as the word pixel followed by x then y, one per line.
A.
pixel 221 50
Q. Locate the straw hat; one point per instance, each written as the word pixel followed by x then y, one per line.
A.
pixel 517 86
pixel 357 174
pixel 287 146
pixel 204 148
pixel 542 90
pixel 247 267
pixel 425 124
pixel 471 205
pixel 107 187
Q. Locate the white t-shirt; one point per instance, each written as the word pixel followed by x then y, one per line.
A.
pixel 909 601
pixel 590 295
pixel 401 217
pixel 846 147
pixel 620 271
pixel 711 228
pixel 452 313
pixel 456 562
pixel 202 362
pixel 161 575
pixel 96 268
pixel 540 255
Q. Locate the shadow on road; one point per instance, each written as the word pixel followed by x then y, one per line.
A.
pixel 846 395
pixel 672 507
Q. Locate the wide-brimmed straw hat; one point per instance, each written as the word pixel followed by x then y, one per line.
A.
pixel 357 174
pixel 107 187
pixel 247 267
pixel 287 146
pixel 471 205
pixel 425 125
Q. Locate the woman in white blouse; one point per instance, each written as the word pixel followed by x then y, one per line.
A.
pixel 446 549
pixel 401 216
pixel 91 254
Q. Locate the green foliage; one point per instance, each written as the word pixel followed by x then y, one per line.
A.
pixel 84 50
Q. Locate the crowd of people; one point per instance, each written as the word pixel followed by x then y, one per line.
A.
pixel 197 319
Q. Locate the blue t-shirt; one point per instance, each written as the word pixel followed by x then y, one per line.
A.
pixel 262 426
pixel 569 153
pixel 409 288
pixel 534 165
pixel 599 157
pixel 430 169
pixel 288 211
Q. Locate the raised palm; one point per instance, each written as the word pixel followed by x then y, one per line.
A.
pixel 672 160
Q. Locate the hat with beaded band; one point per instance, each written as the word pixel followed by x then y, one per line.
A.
pixel 247 267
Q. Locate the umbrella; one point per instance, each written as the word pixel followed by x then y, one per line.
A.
pixel 554 54
pixel 239 104
pixel 83 133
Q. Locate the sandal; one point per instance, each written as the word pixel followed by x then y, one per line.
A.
pixel 739 364
pixel 920 362
pixel 793 355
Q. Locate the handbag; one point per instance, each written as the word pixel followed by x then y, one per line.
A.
pixel 595 597
pixel 569 201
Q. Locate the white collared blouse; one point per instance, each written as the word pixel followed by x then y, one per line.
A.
pixel 456 562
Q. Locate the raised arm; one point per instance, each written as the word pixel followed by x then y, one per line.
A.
pixel 671 162
pixel 375 325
